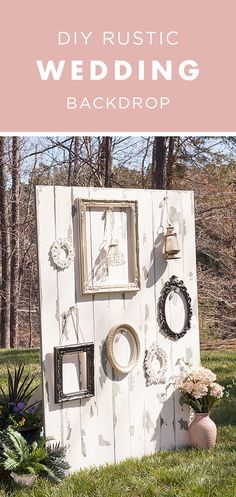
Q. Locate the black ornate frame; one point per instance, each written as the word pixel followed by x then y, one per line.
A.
pixel 59 353
pixel 176 285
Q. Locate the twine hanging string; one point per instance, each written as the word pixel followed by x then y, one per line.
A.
pixel 167 211
pixel 165 207
pixel 104 241
pixel 73 313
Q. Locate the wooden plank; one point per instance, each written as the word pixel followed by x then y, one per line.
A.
pixel 190 275
pixel 96 415
pixel 104 438
pixel 113 390
pixel 147 253
pixel 127 391
pixel 177 313
pixel 87 429
pixel 161 275
pixel 49 312
pixel 192 342
pixel 68 325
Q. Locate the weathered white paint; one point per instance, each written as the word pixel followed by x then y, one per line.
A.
pixel 46 231
pixel 126 417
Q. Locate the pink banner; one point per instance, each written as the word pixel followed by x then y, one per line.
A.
pixel 118 66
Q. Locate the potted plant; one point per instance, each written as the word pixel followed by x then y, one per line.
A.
pixel 25 461
pixel 15 410
pixel 200 391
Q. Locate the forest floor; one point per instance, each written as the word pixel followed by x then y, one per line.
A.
pixel 218 344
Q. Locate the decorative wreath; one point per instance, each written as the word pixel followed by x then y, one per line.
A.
pixel 121 328
pixel 177 286
pixel 153 375
pixel 55 253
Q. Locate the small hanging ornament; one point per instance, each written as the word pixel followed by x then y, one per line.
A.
pixel 114 256
pixel 61 253
pixel 172 248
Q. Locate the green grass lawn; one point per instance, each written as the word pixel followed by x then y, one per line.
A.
pixel 11 358
pixel 182 473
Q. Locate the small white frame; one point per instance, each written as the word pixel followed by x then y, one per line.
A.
pixel 111 337
pixel 153 375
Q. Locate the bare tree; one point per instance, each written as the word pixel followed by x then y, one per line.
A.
pixel 5 253
pixel 105 161
pixel 205 165
pixel 159 163
pixel 170 162
pixel 15 241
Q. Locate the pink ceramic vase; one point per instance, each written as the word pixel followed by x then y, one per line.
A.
pixel 202 431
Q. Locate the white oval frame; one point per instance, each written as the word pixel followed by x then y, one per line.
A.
pixel 55 249
pixel 154 377
pixel 109 348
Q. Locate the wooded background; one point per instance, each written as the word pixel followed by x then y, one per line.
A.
pixel 206 165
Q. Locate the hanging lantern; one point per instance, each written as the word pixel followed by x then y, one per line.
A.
pixel 114 255
pixel 172 248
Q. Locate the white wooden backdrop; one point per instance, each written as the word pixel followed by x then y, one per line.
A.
pixel 125 418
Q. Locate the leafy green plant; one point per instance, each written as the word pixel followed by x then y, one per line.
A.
pixel 56 461
pixel 14 408
pixel 19 456
pixel 19 387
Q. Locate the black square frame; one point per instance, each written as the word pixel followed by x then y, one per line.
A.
pixel 59 353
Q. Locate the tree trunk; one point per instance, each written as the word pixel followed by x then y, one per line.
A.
pixel 159 163
pixel 170 163
pixel 15 242
pixel 108 162
pixel 70 160
pixel 105 161
pixel 143 163
pixel 5 254
pixel 30 308
pixel 76 159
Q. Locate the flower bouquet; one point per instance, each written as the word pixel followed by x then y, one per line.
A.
pixel 200 391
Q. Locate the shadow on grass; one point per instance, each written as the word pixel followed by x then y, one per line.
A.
pixel 6 483
pixel 230 386
pixel 225 413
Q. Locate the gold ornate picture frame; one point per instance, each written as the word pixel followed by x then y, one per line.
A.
pixel 108 240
